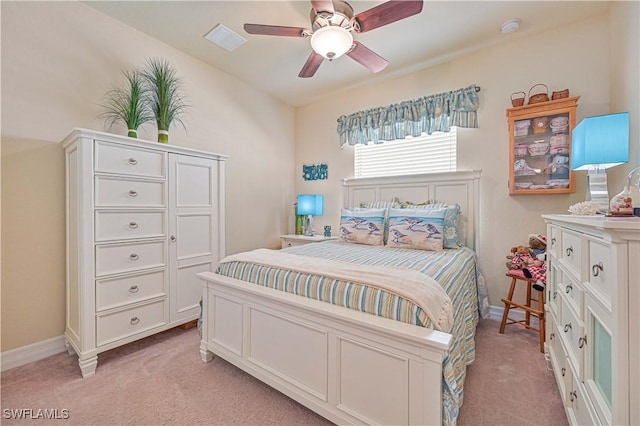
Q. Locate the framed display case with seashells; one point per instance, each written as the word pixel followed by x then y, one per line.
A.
pixel 540 147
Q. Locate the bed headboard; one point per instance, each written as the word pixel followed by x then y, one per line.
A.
pixel 462 187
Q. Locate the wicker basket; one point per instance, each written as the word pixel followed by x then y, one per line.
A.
pixel 540 125
pixel 538 148
pixel 538 97
pixel 521 150
pixel 518 101
pixel 560 94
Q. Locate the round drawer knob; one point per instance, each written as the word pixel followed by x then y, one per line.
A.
pixel 133 193
pixel 133 161
pixel 133 225
pixel 134 321
pixel 133 289
pixel 134 256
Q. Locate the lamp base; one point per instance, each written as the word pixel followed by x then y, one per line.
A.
pixel 308 227
pixel 597 189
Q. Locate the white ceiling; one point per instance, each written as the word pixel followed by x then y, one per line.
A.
pixel 442 31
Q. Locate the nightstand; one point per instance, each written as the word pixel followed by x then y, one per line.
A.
pixel 299 240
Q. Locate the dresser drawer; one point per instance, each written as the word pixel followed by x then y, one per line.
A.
pixel 560 361
pixel 115 192
pixel 554 298
pixel 573 293
pixel 553 238
pixel 572 330
pixel 580 409
pixel 120 159
pixel 118 325
pixel 111 293
pixel 571 251
pixel 122 225
pixel 121 258
pixel 602 273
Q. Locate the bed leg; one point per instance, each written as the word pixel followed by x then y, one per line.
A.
pixel 205 354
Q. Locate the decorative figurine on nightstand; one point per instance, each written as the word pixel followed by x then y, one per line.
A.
pixel 327 230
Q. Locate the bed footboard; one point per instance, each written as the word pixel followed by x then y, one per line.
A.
pixel 349 367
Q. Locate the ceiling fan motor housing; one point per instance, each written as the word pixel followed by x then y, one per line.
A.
pixel 341 17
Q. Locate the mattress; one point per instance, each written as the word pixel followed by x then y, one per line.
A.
pixel 456 270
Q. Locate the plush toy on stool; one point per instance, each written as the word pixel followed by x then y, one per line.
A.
pixel 537 267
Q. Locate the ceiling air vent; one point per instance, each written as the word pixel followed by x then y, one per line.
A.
pixel 224 37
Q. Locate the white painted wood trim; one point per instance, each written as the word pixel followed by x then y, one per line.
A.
pixel 31 353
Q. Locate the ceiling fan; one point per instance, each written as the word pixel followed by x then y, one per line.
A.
pixel 332 25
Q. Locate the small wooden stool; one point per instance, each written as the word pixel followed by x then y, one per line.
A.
pixel 529 311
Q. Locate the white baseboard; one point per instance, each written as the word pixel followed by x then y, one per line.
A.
pixel 30 353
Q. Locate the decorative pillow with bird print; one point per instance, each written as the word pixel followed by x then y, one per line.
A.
pixel 450 237
pixel 362 226
pixel 416 228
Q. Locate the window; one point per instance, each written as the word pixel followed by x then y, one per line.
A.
pixel 425 154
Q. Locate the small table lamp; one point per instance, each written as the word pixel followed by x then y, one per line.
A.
pixel 310 205
pixel 598 143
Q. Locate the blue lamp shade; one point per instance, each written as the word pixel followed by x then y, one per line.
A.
pixel 310 204
pixel 600 142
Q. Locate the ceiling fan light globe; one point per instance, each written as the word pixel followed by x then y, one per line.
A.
pixel 331 41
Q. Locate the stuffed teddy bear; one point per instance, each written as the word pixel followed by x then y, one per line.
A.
pixel 558 168
pixel 537 267
pixel 519 258
pixel 537 244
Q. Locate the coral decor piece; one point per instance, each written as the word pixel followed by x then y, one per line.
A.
pixel 585 208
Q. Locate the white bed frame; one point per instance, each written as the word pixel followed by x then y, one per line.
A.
pixel 349 367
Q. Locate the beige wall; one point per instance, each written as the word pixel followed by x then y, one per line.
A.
pixel 58 60
pixel 575 57
pixel 624 57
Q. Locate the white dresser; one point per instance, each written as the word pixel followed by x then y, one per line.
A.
pixel 143 219
pixel 593 316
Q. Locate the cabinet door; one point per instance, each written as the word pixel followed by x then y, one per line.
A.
pixel 598 351
pixel 193 232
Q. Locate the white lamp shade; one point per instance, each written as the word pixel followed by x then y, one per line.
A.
pixel 331 41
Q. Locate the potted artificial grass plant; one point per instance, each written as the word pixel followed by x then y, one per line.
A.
pixel 129 105
pixel 167 101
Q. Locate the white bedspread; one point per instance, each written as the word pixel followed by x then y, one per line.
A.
pixel 419 288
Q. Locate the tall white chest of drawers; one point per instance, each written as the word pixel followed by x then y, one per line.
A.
pixel 143 219
pixel 593 316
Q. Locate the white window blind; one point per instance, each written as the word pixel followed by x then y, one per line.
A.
pixel 425 154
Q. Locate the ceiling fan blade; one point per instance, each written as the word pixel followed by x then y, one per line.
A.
pixel 274 30
pixel 386 13
pixel 367 57
pixel 311 66
pixel 322 6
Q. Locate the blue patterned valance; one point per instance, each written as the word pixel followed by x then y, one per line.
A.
pixel 434 113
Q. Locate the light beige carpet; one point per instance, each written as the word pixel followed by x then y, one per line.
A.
pixel 162 381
